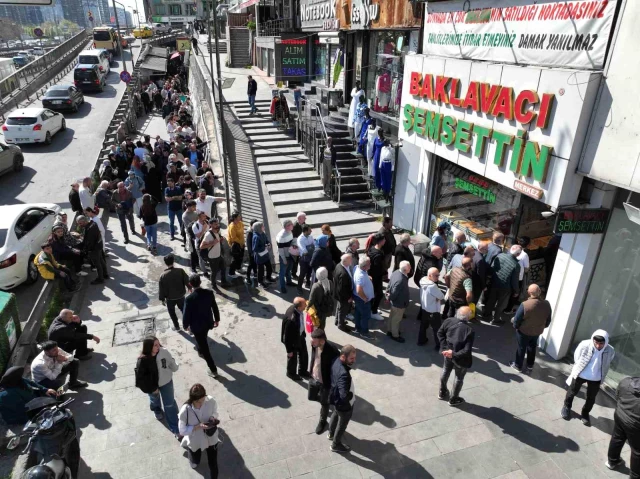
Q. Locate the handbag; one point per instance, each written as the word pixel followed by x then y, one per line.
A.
pixel 311 311
pixel 308 324
pixel 209 432
pixel 313 393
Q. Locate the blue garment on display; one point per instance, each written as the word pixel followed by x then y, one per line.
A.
pixel 362 142
pixel 377 149
pixel 386 175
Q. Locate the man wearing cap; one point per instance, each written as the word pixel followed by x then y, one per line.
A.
pixel 323 355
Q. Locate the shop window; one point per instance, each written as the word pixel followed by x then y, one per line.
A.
pixel 175 9
pixel 320 61
pixel 384 69
pixel 191 9
pixel 612 302
pixel 160 9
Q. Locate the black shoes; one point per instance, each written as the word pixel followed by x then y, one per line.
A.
pixel 320 427
pixel 565 413
pixel 304 374
pixel 78 385
pixel 340 447
pixel 610 464
pixel 97 281
pixel 586 420
pixel 455 401
pixel 513 365
pixel 443 395
pixel 294 377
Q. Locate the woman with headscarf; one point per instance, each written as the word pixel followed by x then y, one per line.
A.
pixel 106 173
pixel 15 392
pixel 62 252
pixel 153 181
pixel 321 257
pixel 103 195
pixel 284 240
pixel 260 247
pixel 321 296
pixel 73 240
pixel 332 245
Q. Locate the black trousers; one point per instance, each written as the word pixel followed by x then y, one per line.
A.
pixel 338 425
pixel 433 320
pixel 68 281
pixel 324 403
pixel 526 345
pixel 238 256
pixel 621 434
pixel 300 358
pixel 203 348
pixel 342 309
pixel 294 270
pixel 252 268
pixel 378 291
pixel 592 391
pixel 100 262
pixel 71 369
pixel 212 458
pixel 71 259
pixel 195 261
pixel 171 307
pixel 497 300
pixel 79 345
pixel 217 266
pixel 261 268
pixel 305 273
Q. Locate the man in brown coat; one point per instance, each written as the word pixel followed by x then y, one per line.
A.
pixel 531 319
pixel 459 281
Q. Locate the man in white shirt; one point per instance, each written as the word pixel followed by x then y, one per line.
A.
pixel 204 203
pixel 211 243
pixel 199 229
pixel 306 246
pixel 431 298
pixel 189 168
pixel 87 199
pixel 51 366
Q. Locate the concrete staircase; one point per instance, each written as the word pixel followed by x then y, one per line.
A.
pixel 294 185
pixel 239 39
pixel 222 45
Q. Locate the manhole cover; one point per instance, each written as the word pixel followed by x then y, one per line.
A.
pixel 133 331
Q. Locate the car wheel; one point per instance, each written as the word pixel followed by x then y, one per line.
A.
pixel 75 108
pixel 32 271
pixel 64 123
pixel 47 139
pixel 82 102
pixel 18 163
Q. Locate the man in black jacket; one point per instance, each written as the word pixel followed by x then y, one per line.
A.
pixel 389 247
pixel 293 336
pixel 430 258
pixel 626 426
pixel 94 248
pixel 343 290
pixel 323 355
pixel 404 253
pixel 74 198
pixel 71 335
pixel 252 89
pixel 172 287
pixel 200 308
pixel 377 272
pixel 341 396
pixel 456 342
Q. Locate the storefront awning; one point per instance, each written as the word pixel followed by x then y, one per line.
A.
pixel 155 63
pixel 242 5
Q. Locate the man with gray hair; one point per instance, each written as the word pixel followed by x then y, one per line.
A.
pixel 403 253
pixel 531 319
pixel 352 249
pixel 362 295
pixel 456 345
pixel 343 291
pixel 301 217
pixel 398 295
pixel 505 274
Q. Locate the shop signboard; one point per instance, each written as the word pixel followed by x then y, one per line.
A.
pixel 313 13
pixel 585 221
pixel 527 189
pixel 570 34
pixel 292 57
pixel 363 12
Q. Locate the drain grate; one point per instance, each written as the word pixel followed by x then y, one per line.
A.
pixel 133 331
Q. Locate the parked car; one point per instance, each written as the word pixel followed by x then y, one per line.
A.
pixel 89 78
pixel 63 97
pixel 11 158
pixel 160 28
pixel 32 125
pixel 23 229
pixel 142 32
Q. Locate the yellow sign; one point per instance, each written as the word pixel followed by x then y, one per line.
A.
pixel 183 44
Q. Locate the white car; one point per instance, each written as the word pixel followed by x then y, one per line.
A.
pixel 23 229
pixel 39 51
pixel 32 125
pixel 160 28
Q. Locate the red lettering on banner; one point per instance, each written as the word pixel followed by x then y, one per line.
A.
pixel 454 97
pixel 488 96
pixel 522 112
pixel 414 86
pixel 504 104
pixel 604 6
pixel 427 87
pixel 440 93
pixel 472 100
pixel 545 110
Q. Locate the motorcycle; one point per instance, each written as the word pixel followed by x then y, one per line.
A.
pixel 52 433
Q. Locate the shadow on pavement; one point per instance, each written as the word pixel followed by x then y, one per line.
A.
pixel 230 461
pixel 88 409
pixel 384 459
pixel 366 413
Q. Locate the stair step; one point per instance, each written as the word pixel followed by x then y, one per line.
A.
pixel 276 152
pixel 346 171
pixel 269 138
pixel 297 198
pixel 344 218
pixel 296 187
pixel 299 166
pixel 293 177
pixel 288 143
pixel 261 131
pixel 310 208
pixel 351 179
pixel 347 163
pixel 255 120
pixel 355 230
pixel 282 160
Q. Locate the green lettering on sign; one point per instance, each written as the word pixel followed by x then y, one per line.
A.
pixel 463 135
pixel 434 123
pixel 420 120
pixel 407 123
pixel 448 134
pixel 475 190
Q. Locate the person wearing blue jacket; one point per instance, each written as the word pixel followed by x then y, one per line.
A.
pixel 15 392
pixel 342 397
pixel 260 246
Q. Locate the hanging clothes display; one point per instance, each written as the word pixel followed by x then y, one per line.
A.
pixel 383 92
pixel 372 135
pixel 361 109
pixel 355 102
pixel 387 166
pixel 377 150
pixel 363 137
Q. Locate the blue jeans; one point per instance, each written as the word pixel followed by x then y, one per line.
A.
pixel 252 102
pixel 285 273
pixel 152 235
pixel 528 345
pixel 169 402
pixel 362 315
pixel 172 219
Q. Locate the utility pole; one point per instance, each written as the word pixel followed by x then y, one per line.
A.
pixel 115 11
pixel 225 161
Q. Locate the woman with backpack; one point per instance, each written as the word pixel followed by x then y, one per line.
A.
pixel 199 428
pixel 154 376
pixel 149 219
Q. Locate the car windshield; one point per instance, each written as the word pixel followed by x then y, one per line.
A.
pixel 102 36
pixel 21 120
pixel 57 94
pixel 84 74
pixel 88 60
pixel 3 237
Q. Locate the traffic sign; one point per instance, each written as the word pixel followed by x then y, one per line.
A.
pixel 38 32
pixel 113 19
pixel 125 77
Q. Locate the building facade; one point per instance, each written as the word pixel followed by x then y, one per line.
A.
pixel 173 12
pixel 23 15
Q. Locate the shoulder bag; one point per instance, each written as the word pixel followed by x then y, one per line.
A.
pixel 209 432
pixel 313 393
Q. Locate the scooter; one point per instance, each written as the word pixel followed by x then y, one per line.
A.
pixel 52 433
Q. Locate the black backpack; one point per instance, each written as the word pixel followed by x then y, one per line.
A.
pixel 146 372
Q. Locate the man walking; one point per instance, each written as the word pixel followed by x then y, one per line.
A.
pixel 532 317
pixel 592 359
pixel 71 335
pixel 343 290
pixel 363 293
pixel 173 195
pixel 377 273
pixel 94 248
pixel 252 89
pixel 323 355
pixel 123 200
pixel 342 397
pixel 398 295
pixel 172 288
pixel 194 43
pixel 626 426
pixel 505 273
pixel 293 336
pixel 460 286
pixel 301 217
pixel 431 298
pixel 200 315
pixel 456 343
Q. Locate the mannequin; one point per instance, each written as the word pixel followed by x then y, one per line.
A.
pixel 387 166
pixel 362 133
pixel 359 118
pixel 372 135
pixel 377 150
pixel 356 94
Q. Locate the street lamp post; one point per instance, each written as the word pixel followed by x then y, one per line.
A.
pixel 115 11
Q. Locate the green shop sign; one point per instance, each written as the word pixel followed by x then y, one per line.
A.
pixel 591 221
pixel 528 158
pixel 475 190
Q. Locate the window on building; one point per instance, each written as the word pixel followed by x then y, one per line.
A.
pixel 175 9
pixel 160 10
pixel 191 9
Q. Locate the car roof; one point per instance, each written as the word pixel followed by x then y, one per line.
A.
pixel 26 112
pixel 86 66
pixel 8 213
pixel 59 87
pixel 95 51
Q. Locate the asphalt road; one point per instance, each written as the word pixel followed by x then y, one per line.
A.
pixel 48 170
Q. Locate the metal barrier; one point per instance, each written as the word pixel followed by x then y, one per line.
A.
pixel 274 28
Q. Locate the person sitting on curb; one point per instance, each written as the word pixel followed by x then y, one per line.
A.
pixel 51 366
pixel 15 392
pixel 71 335
pixel 50 269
